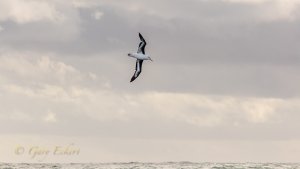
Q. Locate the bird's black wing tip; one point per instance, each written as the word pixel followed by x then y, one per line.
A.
pixel 141 36
pixel 132 79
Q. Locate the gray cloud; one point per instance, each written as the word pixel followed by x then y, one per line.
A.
pixel 219 34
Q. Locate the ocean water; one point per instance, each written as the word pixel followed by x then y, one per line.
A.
pixel 169 165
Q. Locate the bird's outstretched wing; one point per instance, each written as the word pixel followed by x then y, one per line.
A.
pixel 142 44
pixel 138 69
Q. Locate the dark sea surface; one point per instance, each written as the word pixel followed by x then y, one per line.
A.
pixel 168 165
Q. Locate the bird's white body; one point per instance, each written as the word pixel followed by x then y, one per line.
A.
pixel 140 56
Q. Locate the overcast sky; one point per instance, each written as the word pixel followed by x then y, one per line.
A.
pixel 223 87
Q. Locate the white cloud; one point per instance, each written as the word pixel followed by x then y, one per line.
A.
pixel 85 4
pixel 205 110
pixel 50 117
pixel 36 68
pixel 248 1
pixel 21 11
pixel 17 115
pixel 132 149
pixel 255 10
pixel 52 81
pixel 272 9
pixel 98 15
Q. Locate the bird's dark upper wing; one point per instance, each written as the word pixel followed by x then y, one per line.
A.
pixel 138 69
pixel 142 44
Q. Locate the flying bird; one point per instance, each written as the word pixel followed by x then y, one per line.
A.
pixel 140 57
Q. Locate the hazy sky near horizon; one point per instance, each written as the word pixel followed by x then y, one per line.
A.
pixel 224 84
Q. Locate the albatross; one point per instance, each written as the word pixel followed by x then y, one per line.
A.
pixel 140 57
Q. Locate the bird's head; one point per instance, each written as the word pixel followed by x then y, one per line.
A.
pixel 130 55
